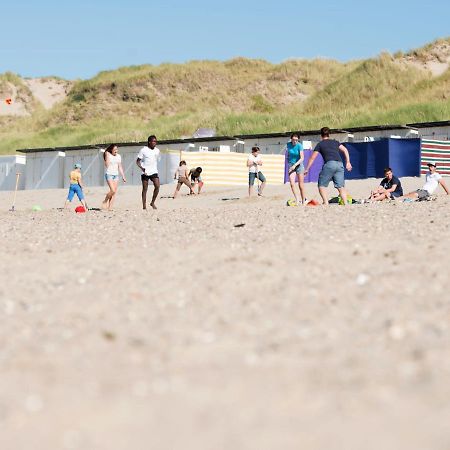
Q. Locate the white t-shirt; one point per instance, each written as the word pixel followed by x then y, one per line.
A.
pixel 149 159
pixel 113 164
pixel 431 182
pixel 254 159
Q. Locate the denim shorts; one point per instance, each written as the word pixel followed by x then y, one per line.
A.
pixel 299 169
pixel 332 170
pixel 111 177
pixel 75 189
pixel 252 178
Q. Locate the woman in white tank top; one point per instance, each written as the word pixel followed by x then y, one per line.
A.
pixel 113 166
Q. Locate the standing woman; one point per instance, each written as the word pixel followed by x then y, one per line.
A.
pixel 113 166
pixel 296 168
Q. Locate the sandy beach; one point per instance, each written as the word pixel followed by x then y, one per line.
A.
pixel 305 328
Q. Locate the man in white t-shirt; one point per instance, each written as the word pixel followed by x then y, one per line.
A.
pixel 254 162
pixel 147 161
pixel 432 180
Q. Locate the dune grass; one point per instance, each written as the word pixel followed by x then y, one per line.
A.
pixel 239 96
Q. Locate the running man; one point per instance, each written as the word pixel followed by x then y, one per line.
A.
pixel 253 163
pixel 332 169
pixel 147 161
pixel 432 180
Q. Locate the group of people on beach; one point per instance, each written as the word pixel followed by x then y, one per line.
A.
pixel 147 161
pixel 390 187
pixel 333 169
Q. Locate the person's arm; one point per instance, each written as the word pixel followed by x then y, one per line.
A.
pixel 444 186
pixel 391 189
pixel 79 182
pixel 106 159
pixel 122 173
pixel 311 161
pixel 138 162
pixel 344 150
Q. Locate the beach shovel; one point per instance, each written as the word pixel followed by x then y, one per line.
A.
pixel 15 192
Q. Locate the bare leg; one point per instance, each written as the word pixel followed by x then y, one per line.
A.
pixel 156 185
pixel 261 187
pixel 200 185
pixel 177 189
pixel 343 194
pixel 413 195
pixel 323 194
pixel 144 193
pixel 113 187
pixel 292 176
pixel 250 190
pixel 301 186
pixel 189 185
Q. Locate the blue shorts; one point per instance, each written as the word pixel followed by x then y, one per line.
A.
pixel 75 189
pixel 332 170
pixel 111 177
pixel 252 178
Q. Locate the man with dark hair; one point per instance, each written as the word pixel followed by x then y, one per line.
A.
pixel 390 187
pixel 147 161
pixel 332 169
pixel 432 180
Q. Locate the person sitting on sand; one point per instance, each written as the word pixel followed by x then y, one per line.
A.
pixel 196 179
pixel 113 166
pixel 253 163
pixel 390 187
pixel 76 187
pixel 182 176
pixel 432 180
pixel 332 169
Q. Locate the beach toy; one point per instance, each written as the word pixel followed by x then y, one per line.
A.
pixel 312 203
pixel 291 202
pixel 37 208
pixel 80 209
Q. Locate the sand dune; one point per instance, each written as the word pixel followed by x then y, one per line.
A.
pixel 311 328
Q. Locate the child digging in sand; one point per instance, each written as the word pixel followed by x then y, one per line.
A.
pixel 196 179
pixel 182 175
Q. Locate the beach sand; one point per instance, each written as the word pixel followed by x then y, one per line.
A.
pixel 306 328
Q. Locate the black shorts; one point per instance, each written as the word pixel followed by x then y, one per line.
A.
pixel 152 177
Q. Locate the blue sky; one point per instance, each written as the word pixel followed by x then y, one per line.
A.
pixel 79 39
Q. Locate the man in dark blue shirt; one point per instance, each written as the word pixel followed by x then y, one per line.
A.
pixel 332 169
pixel 390 187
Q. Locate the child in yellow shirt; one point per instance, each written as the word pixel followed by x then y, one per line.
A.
pixel 76 187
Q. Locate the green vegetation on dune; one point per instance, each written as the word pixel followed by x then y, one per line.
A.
pixel 240 96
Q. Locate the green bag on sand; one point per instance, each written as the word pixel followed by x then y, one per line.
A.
pixel 338 200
